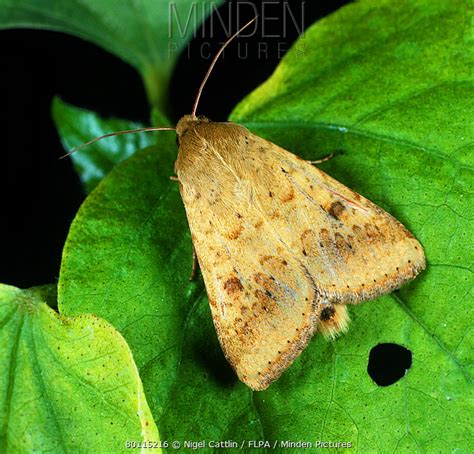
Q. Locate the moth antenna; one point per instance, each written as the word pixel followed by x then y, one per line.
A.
pixel 211 67
pixel 118 133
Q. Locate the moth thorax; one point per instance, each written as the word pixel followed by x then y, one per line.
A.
pixel 186 121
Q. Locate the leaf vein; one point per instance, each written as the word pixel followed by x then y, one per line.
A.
pixel 450 355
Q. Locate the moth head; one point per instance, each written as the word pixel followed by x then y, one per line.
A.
pixel 187 122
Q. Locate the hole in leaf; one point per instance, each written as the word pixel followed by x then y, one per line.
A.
pixel 388 363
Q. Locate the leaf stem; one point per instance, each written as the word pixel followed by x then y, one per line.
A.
pixel 156 80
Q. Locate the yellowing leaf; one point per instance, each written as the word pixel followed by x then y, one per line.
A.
pixel 66 384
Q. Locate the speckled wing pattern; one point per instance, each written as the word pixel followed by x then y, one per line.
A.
pixel 280 244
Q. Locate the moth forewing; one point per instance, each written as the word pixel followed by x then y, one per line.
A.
pixel 355 249
pixel 280 245
pixel 263 301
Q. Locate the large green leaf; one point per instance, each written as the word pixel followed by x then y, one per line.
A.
pixel 148 34
pixel 66 384
pixel 389 84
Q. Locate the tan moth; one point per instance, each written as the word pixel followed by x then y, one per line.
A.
pixel 282 246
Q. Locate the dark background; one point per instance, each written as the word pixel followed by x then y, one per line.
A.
pixel 40 194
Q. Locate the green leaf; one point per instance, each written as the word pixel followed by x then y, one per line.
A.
pixel 66 384
pixel 148 34
pixel 77 126
pixel 389 84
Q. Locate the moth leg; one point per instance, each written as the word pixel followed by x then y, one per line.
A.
pixel 174 178
pixel 195 265
pixel 326 158
pixel 334 320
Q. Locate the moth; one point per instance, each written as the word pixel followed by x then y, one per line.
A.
pixel 282 246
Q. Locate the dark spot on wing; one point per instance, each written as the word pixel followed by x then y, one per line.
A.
pixel 336 209
pixel 275 214
pixel 343 246
pixel 272 260
pixel 289 196
pixel 263 280
pixel 327 313
pixel 234 234
pixel 233 285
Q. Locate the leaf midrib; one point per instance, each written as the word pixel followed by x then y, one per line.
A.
pixel 11 381
pixel 35 364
